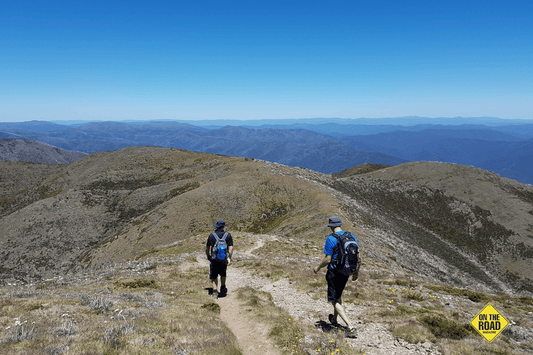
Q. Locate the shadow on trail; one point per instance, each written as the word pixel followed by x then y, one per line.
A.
pixel 331 329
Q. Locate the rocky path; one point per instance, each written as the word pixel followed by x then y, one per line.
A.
pixel 373 338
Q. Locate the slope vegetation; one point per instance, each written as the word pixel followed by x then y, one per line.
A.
pixel 477 221
pixel 444 222
pixel 114 206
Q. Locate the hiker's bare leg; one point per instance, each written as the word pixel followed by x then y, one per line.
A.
pixel 339 311
pixel 222 282
pixel 335 313
pixel 215 284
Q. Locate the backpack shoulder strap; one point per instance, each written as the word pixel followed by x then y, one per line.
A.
pixel 337 245
pixel 224 236
pixel 346 236
pixel 338 235
pixel 217 238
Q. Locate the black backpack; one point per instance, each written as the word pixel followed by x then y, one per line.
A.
pixel 347 261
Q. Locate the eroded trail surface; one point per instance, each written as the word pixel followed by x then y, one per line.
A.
pixel 373 338
pixel 251 335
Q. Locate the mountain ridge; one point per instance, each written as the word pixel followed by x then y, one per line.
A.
pixel 114 206
pixel 501 146
pixel 36 152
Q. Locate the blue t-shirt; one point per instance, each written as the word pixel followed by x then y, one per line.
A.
pixel 330 248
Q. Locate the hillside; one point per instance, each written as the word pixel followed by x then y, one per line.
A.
pixel 476 220
pixel 35 152
pixel 114 206
pixel 68 217
pixel 117 242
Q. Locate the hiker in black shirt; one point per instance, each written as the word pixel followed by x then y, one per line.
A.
pixel 219 250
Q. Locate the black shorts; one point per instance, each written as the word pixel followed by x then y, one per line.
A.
pixel 217 268
pixel 336 284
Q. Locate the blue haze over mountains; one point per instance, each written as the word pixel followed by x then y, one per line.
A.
pixel 325 145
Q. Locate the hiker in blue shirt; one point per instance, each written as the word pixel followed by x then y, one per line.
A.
pixel 219 251
pixel 336 280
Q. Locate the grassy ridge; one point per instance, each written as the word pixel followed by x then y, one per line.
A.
pixel 113 206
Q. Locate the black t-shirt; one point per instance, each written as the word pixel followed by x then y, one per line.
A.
pixel 211 241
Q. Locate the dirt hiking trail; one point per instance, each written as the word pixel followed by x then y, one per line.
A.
pixel 251 335
pixel 373 338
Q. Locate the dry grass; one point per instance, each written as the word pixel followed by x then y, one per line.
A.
pixel 150 306
pixel 121 316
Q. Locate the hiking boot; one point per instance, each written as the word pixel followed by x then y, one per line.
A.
pixel 350 333
pixel 223 291
pixel 333 321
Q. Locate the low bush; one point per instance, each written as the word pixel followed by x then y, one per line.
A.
pixel 67 328
pixel 128 297
pixel 443 327
pixel 213 307
pixel 99 305
pixel 412 295
pixel 21 331
pixel 471 295
pixel 137 283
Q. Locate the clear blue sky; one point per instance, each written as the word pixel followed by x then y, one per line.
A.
pixel 111 60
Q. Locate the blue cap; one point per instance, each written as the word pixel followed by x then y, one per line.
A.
pixel 220 224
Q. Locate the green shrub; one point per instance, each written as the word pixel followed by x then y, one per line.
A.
pixel 412 295
pixel 526 300
pixel 443 327
pixel 137 283
pixel 213 307
pixel 471 295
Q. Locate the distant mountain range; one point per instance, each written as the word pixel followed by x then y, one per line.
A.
pixel 292 147
pixel 325 145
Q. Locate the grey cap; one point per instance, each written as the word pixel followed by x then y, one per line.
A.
pixel 220 224
pixel 334 222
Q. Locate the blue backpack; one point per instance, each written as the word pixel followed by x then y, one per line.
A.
pixel 347 261
pixel 220 252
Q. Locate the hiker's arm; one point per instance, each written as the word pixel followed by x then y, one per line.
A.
pixel 230 253
pixel 325 262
